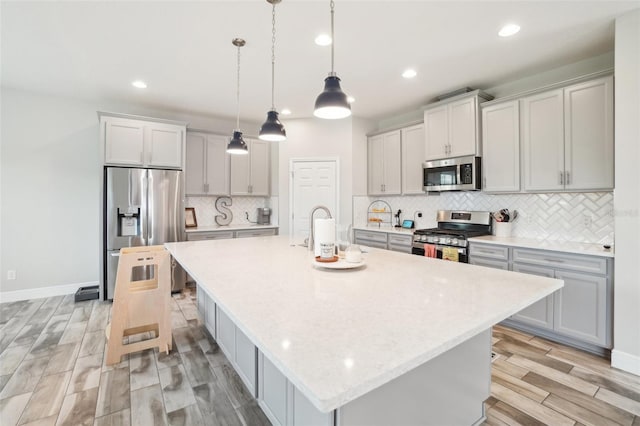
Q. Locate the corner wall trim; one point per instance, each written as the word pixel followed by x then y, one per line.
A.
pixel 38 293
pixel 625 361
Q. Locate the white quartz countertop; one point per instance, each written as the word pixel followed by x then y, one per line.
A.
pixel 387 229
pixel 338 334
pixel 231 227
pixel 565 247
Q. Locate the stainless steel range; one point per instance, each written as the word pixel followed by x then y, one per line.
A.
pixel 449 240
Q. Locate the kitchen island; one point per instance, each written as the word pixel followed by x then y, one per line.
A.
pixel 400 340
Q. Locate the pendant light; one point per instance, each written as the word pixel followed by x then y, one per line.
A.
pixel 237 145
pixel 272 129
pixel 332 103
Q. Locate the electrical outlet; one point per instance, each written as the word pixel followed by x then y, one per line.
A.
pixel 11 275
pixel 587 220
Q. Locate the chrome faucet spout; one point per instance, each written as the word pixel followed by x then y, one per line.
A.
pixel 311 227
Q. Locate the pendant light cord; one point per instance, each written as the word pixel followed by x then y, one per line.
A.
pixel 238 94
pixel 273 57
pixel 332 37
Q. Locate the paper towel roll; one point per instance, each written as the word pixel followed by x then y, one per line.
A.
pixel 325 232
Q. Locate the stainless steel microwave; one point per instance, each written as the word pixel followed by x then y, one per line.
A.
pixel 452 174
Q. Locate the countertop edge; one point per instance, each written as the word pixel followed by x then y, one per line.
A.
pixel 586 249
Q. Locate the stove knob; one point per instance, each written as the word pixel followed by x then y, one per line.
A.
pixel 454 241
pixel 445 240
pixel 433 239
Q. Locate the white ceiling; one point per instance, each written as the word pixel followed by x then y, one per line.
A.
pixel 93 50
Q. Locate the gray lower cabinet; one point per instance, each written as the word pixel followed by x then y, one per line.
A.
pixel 384 240
pixel 282 402
pixel 226 234
pixel 580 313
pixel 207 311
pixel 370 238
pixel 239 350
pixel 541 313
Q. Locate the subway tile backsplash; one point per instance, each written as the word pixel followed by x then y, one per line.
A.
pixel 206 209
pixel 580 217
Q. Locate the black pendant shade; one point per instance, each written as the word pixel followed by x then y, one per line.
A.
pixel 272 129
pixel 237 145
pixel 332 102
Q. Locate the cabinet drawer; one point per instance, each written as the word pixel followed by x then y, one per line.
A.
pixel 489 251
pixel 400 240
pixel 489 263
pixel 248 233
pixel 371 236
pixel 200 236
pixel 591 264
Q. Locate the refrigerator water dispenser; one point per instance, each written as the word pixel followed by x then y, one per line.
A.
pixel 129 222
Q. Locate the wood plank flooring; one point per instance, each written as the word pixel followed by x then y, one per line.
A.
pixel 53 372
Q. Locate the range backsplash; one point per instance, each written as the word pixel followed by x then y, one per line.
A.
pixel 206 209
pixel 580 217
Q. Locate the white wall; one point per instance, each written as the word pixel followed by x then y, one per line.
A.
pixel 318 138
pixel 626 336
pixel 49 188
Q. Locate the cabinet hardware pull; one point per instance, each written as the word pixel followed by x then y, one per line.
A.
pixel 561 178
pixel 568 178
pixel 555 260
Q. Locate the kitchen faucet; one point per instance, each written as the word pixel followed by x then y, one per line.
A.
pixel 311 230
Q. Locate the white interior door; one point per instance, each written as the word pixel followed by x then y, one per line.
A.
pixel 312 183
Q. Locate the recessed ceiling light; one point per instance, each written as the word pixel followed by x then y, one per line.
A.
pixel 323 40
pixel 409 73
pixel 351 99
pixel 139 84
pixel 286 111
pixel 509 30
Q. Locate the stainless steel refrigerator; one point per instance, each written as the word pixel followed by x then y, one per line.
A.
pixel 143 207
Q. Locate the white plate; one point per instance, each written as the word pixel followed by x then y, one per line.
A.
pixel 340 264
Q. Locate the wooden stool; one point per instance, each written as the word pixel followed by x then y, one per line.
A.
pixel 143 305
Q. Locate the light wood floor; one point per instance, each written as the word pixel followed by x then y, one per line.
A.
pixel 52 372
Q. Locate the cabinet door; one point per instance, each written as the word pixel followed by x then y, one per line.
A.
pixel 124 142
pixel 272 396
pixel 226 334
pixel 239 174
pixel 501 147
pixel 164 145
pixel 412 140
pixel 195 164
pixel 543 141
pixel 202 302
pixel 216 178
pixel 305 413
pixel 210 317
pixel 259 168
pixel 581 309
pixel 588 131
pixel 392 163
pixel 246 361
pixel 375 165
pixel 436 133
pixel 541 313
pixel 463 130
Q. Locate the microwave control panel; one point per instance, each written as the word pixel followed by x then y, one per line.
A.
pixel 466 173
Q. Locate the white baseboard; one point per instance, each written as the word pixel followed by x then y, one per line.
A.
pixel 38 293
pixel 625 361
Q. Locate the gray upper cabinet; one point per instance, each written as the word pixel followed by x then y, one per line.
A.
pixel 452 126
pixel 501 147
pixel 384 164
pixel 412 142
pixel 250 174
pixel 207 164
pixel 138 141
pixel 567 137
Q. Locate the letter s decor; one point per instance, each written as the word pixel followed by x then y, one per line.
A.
pixel 221 205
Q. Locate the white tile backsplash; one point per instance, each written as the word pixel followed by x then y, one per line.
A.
pixel 206 209
pixel 579 217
